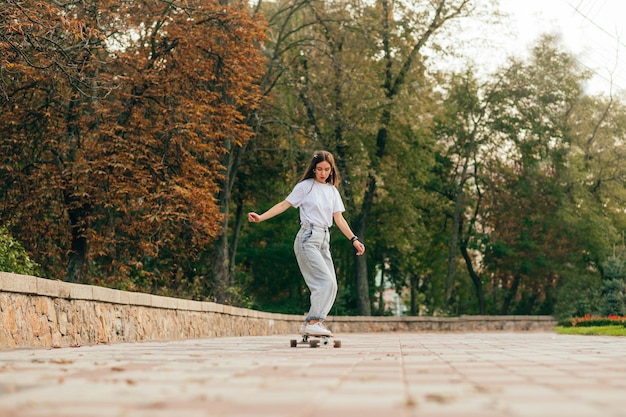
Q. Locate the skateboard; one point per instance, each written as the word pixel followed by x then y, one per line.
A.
pixel 314 341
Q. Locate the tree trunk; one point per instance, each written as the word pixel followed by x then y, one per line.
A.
pixel 454 239
pixel 222 255
pixel 221 259
pixel 76 210
pixel 511 295
pixel 78 249
pixel 456 227
pixel 413 287
pixel 362 287
pixel 76 262
pixel 239 216
pixel 221 265
pixel 480 292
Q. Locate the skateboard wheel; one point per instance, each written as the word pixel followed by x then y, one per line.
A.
pixel 314 343
pixel 294 343
pixel 337 343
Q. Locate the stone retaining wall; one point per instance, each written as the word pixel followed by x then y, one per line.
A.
pixel 37 312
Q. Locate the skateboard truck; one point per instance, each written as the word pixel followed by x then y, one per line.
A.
pixel 314 341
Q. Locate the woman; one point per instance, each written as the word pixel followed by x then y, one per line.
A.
pixel 319 202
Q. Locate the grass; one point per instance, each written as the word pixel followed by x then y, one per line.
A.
pixel 617 330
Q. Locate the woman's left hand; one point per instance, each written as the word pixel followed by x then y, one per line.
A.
pixel 360 247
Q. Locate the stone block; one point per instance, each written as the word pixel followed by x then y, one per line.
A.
pixel 53 288
pixel 172 303
pixel 194 305
pixel 81 292
pixel 183 304
pixel 10 282
pixel 63 322
pixel 239 312
pixel 188 305
pixel 107 295
pixel 211 307
pixel 139 299
pixel 124 297
pixel 159 301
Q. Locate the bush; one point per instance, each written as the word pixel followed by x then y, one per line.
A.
pixel 578 295
pixel 13 256
pixel 591 321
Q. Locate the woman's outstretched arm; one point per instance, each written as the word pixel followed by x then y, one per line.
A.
pixel 274 211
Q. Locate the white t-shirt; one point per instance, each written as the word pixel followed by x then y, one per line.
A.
pixel 317 202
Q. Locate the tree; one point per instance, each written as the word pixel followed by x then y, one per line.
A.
pixel 240 162
pixel 528 248
pixel 614 285
pixel 346 55
pixel 462 132
pixel 119 159
pixel 402 41
pixel 13 257
pixel 522 216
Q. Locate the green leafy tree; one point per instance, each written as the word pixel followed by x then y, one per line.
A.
pixel 519 213
pixel 13 256
pixel 594 212
pixel 461 129
pixel 354 78
pixel 527 243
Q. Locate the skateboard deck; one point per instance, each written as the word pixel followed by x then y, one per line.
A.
pixel 314 341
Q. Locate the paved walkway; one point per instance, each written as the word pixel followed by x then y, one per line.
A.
pixel 376 374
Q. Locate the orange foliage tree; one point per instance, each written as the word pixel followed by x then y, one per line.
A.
pixel 114 118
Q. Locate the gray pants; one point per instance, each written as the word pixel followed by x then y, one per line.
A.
pixel 312 248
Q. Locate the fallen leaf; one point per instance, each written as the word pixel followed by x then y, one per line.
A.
pixel 61 361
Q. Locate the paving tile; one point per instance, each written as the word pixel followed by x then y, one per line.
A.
pixel 397 374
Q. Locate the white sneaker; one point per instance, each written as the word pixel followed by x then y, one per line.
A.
pixel 302 328
pixel 317 329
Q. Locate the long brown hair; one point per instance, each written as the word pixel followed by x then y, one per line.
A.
pixel 319 156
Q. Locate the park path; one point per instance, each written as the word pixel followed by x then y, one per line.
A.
pixel 373 374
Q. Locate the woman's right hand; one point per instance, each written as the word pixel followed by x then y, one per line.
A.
pixel 253 217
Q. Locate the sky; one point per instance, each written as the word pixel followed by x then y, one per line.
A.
pixel 593 30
